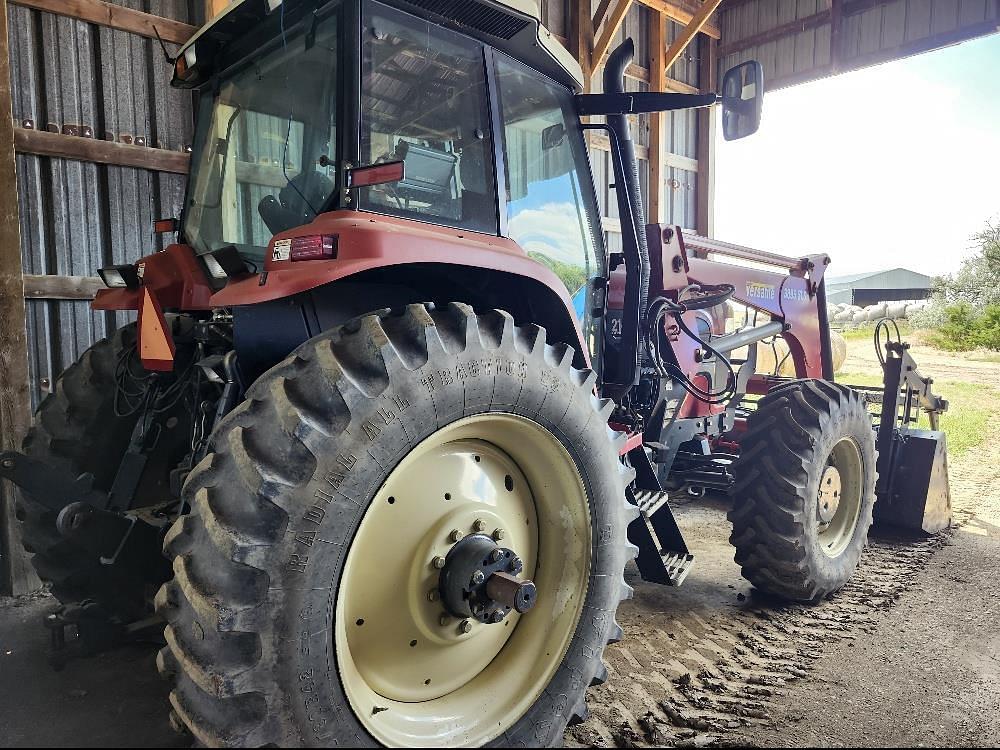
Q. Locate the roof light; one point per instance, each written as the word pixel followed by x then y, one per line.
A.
pixel 314 247
pixel 120 277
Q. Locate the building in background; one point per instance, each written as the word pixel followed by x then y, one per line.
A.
pixel 870 288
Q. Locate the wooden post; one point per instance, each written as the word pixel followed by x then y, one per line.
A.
pixel 582 38
pixel 16 574
pixel 657 120
pixel 708 80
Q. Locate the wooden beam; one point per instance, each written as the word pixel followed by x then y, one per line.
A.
pixel 657 121
pixel 582 38
pixel 16 574
pixel 214 8
pixel 705 196
pixel 603 43
pixel 62 287
pixel 115 17
pixel 681 11
pixel 778 32
pixel 600 14
pixel 690 31
pixel 43 143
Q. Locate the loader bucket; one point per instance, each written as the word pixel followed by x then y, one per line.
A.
pixel 912 490
pixel 918 498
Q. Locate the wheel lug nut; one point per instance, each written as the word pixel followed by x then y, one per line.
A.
pixel 433 595
pixel 438 562
pixel 516 566
pixel 456 535
pixel 478 577
pixel 497 617
pixel 498 534
pixel 466 626
pixel 479 525
pixel 496 556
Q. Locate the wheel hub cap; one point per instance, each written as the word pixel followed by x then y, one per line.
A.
pixel 479 580
pixel 829 494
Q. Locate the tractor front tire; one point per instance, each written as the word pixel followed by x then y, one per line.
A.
pixel 307 605
pixel 805 490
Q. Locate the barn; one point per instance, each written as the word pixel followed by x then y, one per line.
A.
pixel 870 288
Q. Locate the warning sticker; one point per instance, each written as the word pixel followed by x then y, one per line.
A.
pixel 282 250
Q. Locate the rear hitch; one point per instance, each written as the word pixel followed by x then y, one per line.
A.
pixel 48 485
pixel 77 631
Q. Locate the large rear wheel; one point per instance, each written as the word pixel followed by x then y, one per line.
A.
pixel 412 533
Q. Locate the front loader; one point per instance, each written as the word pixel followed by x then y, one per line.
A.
pixel 398 417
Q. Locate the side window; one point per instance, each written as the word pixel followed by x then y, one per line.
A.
pixel 549 194
pixel 424 102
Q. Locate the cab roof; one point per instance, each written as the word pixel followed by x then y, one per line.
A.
pixel 512 26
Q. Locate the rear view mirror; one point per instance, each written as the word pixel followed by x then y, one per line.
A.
pixel 742 100
pixel 553 136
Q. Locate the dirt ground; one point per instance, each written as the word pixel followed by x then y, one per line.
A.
pixel 908 654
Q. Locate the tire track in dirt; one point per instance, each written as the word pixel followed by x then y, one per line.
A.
pixel 697 679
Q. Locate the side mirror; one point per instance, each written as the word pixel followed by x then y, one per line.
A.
pixel 742 100
pixel 553 136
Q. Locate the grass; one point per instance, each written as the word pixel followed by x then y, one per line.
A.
pixel 866 331
pixel 968 415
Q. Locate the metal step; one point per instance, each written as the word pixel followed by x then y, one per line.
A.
pixel 652 532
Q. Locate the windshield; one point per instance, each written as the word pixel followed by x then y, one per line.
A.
pixel 264 158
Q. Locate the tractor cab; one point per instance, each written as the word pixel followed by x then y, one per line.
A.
pixel 457 131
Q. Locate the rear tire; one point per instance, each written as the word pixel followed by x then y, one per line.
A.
pixel 302 468
pixel 77 430
pixel 805 490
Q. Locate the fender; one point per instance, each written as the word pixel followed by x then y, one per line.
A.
pixel 369 241
pixel 365 242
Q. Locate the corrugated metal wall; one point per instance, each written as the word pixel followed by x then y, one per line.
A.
pixel 77 217
pixel 802 40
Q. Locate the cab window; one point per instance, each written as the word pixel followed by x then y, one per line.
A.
pixel 549 194
pixel 424 102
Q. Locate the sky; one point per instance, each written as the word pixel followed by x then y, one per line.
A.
pixel 892 166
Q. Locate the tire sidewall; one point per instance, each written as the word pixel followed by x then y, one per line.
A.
pixel 325 513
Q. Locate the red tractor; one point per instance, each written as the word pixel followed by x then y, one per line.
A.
pixel 399 419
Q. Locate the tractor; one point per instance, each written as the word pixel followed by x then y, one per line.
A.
pixel 393 419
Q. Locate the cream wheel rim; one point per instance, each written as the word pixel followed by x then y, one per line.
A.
pixel 415 675
pixel 838 501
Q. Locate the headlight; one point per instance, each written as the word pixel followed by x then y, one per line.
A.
pixel 120 277
pixel 225 263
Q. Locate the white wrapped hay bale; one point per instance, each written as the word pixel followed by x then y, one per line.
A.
pixel 838 346
pixel 875 312
pixel 860 316
pixel 895 310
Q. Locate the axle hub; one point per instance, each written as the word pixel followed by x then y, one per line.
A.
pixel 479 580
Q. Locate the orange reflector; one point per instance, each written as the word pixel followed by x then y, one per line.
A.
pixel 156 345
pixel 166 226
